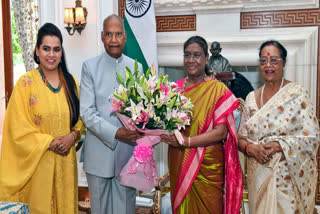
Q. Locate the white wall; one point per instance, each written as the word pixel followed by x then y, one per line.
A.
pixel 78 48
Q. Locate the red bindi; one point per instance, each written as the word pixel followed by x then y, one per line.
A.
pixel 268 54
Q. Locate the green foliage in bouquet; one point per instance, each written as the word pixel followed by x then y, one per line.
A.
pixel 151 102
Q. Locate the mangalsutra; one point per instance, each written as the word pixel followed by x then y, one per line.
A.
pixel 262 90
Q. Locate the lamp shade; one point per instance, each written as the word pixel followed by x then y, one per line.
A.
pixel 68 16
pixel 80 15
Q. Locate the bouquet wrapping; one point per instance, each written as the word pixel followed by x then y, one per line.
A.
pixel 140 172
pixel 154 106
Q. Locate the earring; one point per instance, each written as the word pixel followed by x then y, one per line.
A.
pixel 38 58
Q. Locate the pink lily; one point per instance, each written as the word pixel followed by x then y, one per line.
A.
pixel 164 88
pixel 117 105
pixel 143 118
pixel 184 117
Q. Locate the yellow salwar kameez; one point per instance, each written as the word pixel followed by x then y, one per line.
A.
pixel 29 172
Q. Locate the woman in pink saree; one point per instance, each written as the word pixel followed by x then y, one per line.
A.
pixel 205 173
pixel 279 132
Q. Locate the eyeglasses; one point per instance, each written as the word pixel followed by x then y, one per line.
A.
pixel 195 56
pixel 273 60
pixel 110 35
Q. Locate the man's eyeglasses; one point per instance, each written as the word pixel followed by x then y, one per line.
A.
pixel 110 35
pixel 195 56
pixel 273 60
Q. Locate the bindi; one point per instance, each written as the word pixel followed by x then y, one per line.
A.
pixel 268 54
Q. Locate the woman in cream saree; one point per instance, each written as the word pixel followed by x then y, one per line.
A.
pixel 282 186
pixel 279 132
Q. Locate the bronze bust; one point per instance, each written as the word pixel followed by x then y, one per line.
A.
pixel 218 63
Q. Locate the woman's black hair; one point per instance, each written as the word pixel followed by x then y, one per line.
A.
pixel 200 41
pixel 68 82
pixel 282 50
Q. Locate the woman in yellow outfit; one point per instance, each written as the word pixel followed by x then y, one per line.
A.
pixel 38 159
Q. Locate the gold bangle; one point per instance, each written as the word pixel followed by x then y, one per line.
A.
pixel 74 137
pixel 249 154
pixel 189 142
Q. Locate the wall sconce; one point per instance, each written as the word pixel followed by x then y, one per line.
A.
pixel 75 18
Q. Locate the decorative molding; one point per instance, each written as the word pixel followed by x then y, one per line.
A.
pixel 176 23
pixel 182 7
pixel 289 18
pixel 168 23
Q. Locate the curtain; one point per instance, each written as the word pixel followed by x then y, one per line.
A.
pixel 26 16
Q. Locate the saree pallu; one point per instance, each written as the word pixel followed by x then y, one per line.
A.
pixel 286 186
pixel 207 179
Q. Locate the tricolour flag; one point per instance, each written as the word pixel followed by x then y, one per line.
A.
pixel 140 26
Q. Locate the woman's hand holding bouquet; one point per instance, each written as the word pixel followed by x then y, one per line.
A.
pixel 153 106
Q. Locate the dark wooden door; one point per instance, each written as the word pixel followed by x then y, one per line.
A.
pixel 7 49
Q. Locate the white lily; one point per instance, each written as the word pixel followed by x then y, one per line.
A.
pixel 135 109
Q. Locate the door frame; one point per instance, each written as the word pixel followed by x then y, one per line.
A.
pixel 7 49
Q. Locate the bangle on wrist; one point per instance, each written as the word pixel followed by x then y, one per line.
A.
pixel 189 142
pixel 248 153
pixel 245 148
pixel 74 137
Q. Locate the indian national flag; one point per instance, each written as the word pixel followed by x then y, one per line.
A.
pixel 140 25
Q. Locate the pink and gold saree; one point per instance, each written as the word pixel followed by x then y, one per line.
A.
pixel 207 179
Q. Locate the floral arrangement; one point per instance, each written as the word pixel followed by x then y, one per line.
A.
pixel 151 102
pixel 154 106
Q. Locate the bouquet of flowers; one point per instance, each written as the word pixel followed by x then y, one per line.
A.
pixel 154 106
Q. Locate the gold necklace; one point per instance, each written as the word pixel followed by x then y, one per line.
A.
pixel 187 78
pixel 262 90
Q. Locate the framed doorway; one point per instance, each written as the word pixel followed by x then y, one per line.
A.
pixel 7 49
pixel 6 62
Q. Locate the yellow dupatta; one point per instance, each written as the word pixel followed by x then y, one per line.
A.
pixel 29 172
